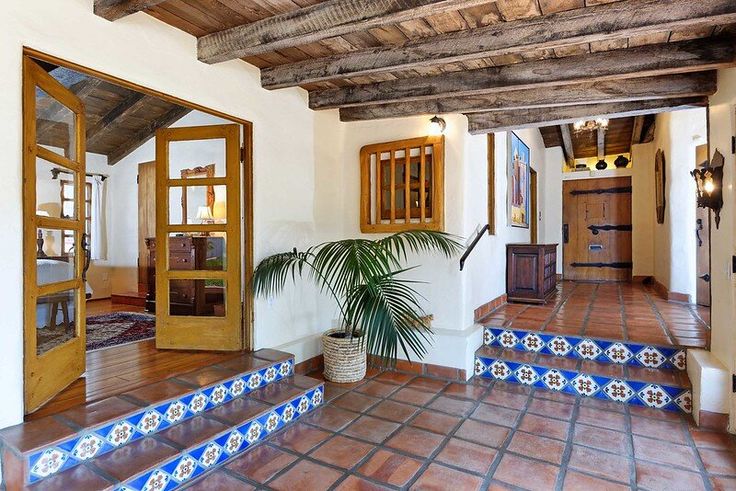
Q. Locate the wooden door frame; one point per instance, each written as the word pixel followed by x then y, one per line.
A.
pixel 246 186
pixel 533 206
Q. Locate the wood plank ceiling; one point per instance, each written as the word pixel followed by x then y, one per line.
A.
pixel 119 120
pixel 505 63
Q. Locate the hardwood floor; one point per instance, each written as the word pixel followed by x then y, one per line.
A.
pixel 106 306
pixel 111 371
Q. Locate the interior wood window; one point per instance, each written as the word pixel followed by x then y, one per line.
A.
pixel 67 211
pixel 402 185
pixel 491 184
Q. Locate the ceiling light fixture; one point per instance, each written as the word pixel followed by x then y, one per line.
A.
pixel 437 125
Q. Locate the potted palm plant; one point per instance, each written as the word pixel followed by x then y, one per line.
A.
pixel 379 308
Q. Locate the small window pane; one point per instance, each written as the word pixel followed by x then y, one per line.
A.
pixel 199 298
pixel 54 191
pixel 55 125
pixel 55 320
pixel 190 159
pixel 199 205
pixel 54 243
pixel 198 252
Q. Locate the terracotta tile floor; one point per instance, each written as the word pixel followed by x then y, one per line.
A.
pixel 438 435
pixel 621 311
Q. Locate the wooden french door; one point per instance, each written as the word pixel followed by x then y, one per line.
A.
pixel 597 229
pixel 55 241
pixel 198 272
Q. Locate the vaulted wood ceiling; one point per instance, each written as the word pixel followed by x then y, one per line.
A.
pixel 118 120
pixel 505 63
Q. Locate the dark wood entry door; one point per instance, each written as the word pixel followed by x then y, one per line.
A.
pixel 597 229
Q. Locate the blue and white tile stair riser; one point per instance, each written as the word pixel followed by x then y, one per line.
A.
pixel 187 466
pixel 149 420
pixel 627 391
pixel 618 352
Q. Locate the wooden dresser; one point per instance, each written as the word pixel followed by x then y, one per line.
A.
pixel 187 297
pixel 531 272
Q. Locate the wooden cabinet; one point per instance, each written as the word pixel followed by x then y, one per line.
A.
pixel 531 272
pixel 188 297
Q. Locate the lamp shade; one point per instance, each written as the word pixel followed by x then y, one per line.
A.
pixel 204 213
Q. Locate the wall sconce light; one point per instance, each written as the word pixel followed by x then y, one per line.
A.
pixel 709 180
pixel 437 125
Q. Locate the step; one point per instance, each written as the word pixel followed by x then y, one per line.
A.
pixel 39 450
pixel 636 385
pixel 588 348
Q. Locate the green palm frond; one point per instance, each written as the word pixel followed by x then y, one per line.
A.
pixel 363 276
pixel 387 311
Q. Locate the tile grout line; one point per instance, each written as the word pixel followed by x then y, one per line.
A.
pixel 568 445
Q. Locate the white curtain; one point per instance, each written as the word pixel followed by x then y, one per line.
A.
pixel 98 241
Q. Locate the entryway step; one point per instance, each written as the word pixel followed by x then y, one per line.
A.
pixel 588 348
pixel 649 387
pixel 215 398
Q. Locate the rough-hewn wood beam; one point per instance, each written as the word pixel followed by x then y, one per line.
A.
pixel 97 132
pixel 117 9
pixel 652 60
pixel 601 143
pixel 597 23
pixel 567 147
pixel 636 130
pixel 479 123
pixel 50 114
pixel 146 133
pixel 316 22
pixel 632 89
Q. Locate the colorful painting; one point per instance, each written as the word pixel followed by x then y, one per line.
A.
pixel 518 181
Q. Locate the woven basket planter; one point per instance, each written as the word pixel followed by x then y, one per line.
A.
pixel 345 359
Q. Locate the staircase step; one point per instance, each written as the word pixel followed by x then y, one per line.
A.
pixel 636 385
pixel 36 451
pixel 588 348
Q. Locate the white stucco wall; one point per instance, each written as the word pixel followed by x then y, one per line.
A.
pixel 722 128
pixel 677 134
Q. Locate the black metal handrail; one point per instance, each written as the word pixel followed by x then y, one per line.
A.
pixel 472 245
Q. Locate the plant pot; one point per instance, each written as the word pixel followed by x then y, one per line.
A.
pixel 345 358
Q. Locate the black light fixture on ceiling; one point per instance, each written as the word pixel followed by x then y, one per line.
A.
pixel 437 125
pixel 709 180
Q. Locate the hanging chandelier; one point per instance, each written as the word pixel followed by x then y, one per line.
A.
pixel 590 125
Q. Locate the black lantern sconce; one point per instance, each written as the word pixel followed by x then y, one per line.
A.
pixel 709 180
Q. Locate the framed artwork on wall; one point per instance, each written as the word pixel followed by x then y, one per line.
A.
pixel 518 181
pixel 660 177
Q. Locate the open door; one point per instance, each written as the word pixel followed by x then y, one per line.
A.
pixel 197 249
pixel 55 237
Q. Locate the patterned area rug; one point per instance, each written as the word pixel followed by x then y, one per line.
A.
pixel 119 328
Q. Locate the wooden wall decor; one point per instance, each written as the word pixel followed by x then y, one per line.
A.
pixel 402 185
pixel 518 171
pixel 491 184
pixel 660 180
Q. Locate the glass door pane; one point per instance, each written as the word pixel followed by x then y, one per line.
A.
pixel 197 287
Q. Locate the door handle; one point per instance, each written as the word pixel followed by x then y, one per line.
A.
pixel 595 247
pixel 698 228
pixel 565 233
pixel 705 277
pixel 87 255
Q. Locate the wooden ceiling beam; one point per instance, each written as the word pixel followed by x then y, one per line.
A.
pixel 642 61
pixel 636 132
pixel 601 143
pixel 596 23
pixel 117 9
pixel 106 125
pixel 317 22
pixel 494 121
pixel 146 133
pixel 567 147
pixel 631 89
